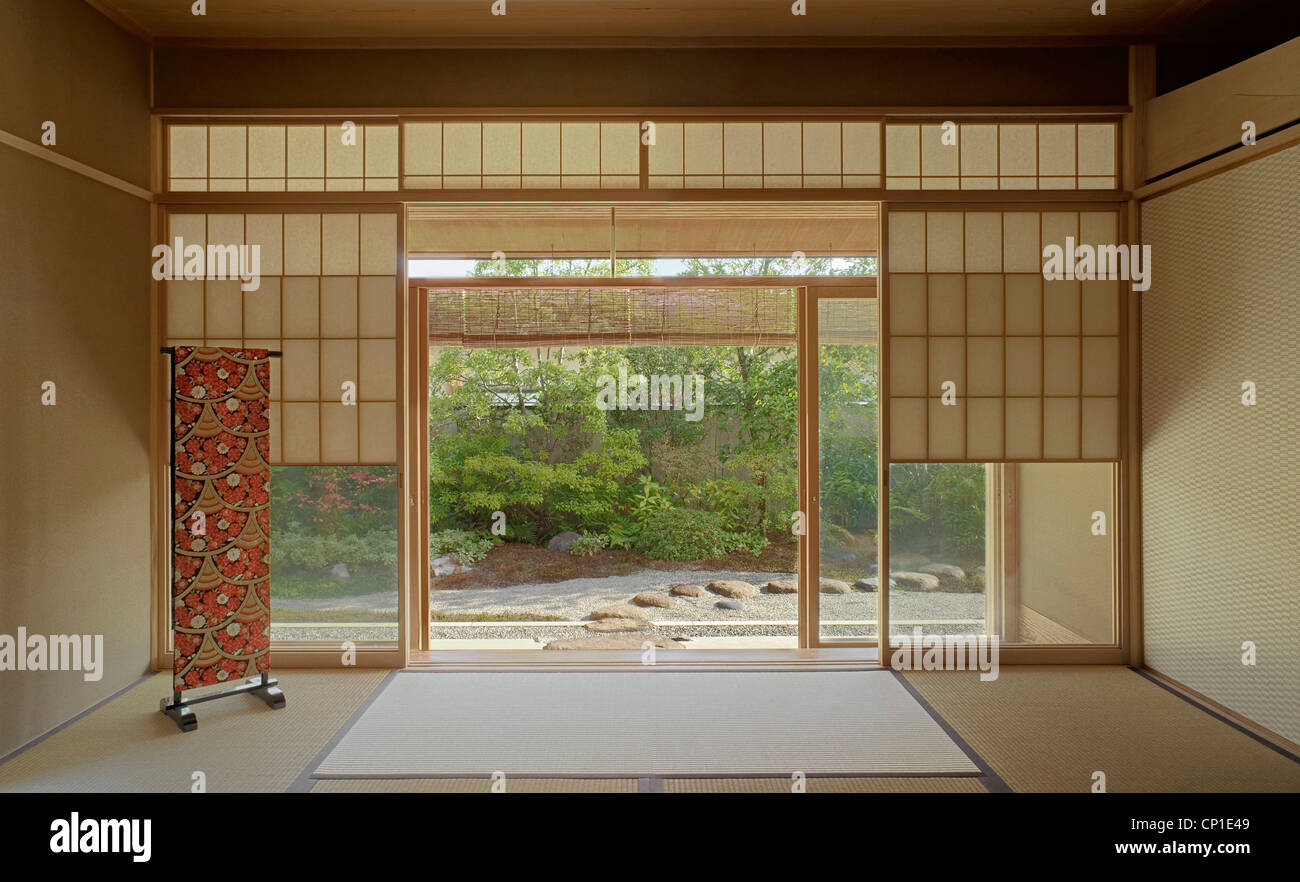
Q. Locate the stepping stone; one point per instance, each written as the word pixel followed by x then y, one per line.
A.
pixel 653 598
pixel 612 641
pixel 943 571
pixel 619 611
pixel 916 581
pixel 733 588
pixel 783 586
pixel 729 604
pixel 835 586
pixel 613 626
pixel 685 590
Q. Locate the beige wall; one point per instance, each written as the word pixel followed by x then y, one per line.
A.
pixel 74 478
pixel 1220 480
pixel 1065 572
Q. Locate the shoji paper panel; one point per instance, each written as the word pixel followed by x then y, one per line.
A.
pixel 512 154
pixel 275 157
pixel 1001 156
pixel 1030 369
pixel 328 301
pixel 774 154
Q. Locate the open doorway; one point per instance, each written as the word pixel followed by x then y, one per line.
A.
pixel 613 434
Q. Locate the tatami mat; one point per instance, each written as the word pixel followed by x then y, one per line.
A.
pixel 825 785
pixel 476 785
pixel 645 723
pixel 240 744
pixel 1050 728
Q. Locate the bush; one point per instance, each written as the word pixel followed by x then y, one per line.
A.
pixel 587 545
pixel 318 552
pixel 468 547
pixel 690 534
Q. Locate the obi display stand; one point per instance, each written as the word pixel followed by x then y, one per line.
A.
pixel 220 538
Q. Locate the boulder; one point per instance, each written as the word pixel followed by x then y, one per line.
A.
pixel 447 565
pixel 944 571
pixel 614 626
pixel 619 611
pixel 685 590
pixel 612 641
pixel 729 604
pixel 733 588
pixel 871 583
pixel 562 541
pixel 915 581
pixel 653 598
pixel 340 571
pixel 835 586
pixel 905 560
pixel 782 586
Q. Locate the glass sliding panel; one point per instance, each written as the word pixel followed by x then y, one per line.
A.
pixel 848 442
pixel 1059 576
pixel 937 548
pixel 334 553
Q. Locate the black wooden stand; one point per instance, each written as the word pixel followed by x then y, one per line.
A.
pixel 181 710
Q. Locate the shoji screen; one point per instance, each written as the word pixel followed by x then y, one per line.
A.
pixel 1001 156
pixel 328 301
pixel 755 154
pixel 987 361
pixel 275 157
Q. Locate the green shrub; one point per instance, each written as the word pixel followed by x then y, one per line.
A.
pixel 468 547
pixel 587 545
pixel 691 534
pixel 317 552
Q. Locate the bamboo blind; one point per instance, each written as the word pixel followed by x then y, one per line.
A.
pixel 676 316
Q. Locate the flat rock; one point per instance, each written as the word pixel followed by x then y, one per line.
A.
pixel 612 641
pixel 835 586
pixel 685 590
pixel 733 588
pixel 614 626
pixel 619 611
pixel 915 581
pixel 653 598
pixel 943 571
pixel 729 604
pixel 783 586
pixel 562 541
pixel 871 583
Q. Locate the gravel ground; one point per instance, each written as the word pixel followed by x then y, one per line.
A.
pixel 574 599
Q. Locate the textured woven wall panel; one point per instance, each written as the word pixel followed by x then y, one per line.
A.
pixel 1220 485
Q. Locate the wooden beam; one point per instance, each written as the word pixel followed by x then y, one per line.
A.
pixel 1205 117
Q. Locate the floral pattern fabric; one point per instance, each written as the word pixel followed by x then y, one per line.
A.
pixel 221 602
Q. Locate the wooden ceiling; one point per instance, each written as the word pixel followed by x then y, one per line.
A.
pixel 641 22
